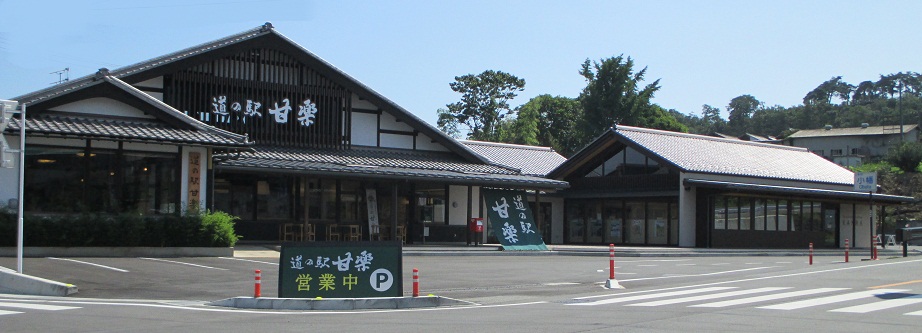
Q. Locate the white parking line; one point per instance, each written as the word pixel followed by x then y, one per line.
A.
pixel 91 264
pixel 36 306
pixel 183 263
pixel 248 260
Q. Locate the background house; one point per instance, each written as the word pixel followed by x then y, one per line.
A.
pixel 852 146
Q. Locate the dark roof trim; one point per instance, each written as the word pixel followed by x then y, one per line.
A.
pixel 524 182
pixel 786 190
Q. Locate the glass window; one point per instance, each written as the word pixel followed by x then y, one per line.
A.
pixel 431 204
pixel 328 199
pixel 733 213
pixel 67 180
pixel 759 214
pixel 797 217
pixel 816 216
pixel 594 217
pixel 720 213
pixel 234 194
pixel 273 198
pixel 636 218
pixel 613 213
pixel 657 226
pixel 745 213
pixel 783 215
pixel 575 223
pixel 352 202
pixel 54 181
pixel 150 183
pixel 771 215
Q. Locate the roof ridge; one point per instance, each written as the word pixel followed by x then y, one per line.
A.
pixel 503 144
pixel 707 138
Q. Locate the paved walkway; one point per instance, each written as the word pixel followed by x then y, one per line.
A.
pixel 272 251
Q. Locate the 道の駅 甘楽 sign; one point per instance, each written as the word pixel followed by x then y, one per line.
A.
pixel 511 220
pixel 341 270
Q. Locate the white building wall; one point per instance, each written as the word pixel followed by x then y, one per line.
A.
pixel 102 106
pixel 426 143
pixel 687 212
pixel 364 129
pixel 396 141
pixel 457 205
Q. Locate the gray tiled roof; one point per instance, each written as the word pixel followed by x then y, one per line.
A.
pixel 263 30
pixel 532 160
pixel 852 131
pixel 383 163
pixel 120 129
pixel 705 154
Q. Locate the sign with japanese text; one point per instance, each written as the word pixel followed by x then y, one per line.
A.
pixel 511 220
pixel 341 270
pixel 866 181
pixel 307 111
pixel 195 178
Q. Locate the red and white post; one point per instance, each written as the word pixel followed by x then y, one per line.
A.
pixel 415 282
pixel 811 253
pixel 846 250
pixel 611 283
pixel 257 288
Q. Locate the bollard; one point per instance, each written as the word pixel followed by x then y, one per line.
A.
pixel 846 250
pixel 257 289
pixel 611 261
pixel 811 253
pixel 415 282
pixel 611 283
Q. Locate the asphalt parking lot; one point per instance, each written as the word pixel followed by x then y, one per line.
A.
pixel 463 276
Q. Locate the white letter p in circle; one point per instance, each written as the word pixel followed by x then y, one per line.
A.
pixel 381 279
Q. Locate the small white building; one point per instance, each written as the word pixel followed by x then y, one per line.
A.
pixel 852 146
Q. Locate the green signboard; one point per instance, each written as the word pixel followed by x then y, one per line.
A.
pixel 511 220
pixel 341 270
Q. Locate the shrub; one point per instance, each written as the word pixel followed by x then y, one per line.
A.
pixel 205 229
pixel 907 156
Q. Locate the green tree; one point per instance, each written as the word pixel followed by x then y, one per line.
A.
pixel 555 123
pixel 712 120
pixel 614 95
pixel 484 102
pixel 741 109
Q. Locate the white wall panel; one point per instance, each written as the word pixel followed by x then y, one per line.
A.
pixel 102 106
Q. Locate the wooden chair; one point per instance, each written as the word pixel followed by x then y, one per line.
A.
pixel 355 233
pixel 375 232
pixel 402 234
pixel 292 232
pixel 333 232
pixel 311 233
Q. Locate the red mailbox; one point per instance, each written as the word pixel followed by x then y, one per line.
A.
pixel 476 224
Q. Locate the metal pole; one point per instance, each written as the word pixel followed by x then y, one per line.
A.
pixel 871 223
pixel 22 184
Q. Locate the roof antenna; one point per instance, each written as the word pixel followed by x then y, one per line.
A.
pixel 63 76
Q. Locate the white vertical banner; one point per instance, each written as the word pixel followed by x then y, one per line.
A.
pixel 371 199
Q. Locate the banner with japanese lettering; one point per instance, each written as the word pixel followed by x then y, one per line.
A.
pixel 511 220
pixel 341 270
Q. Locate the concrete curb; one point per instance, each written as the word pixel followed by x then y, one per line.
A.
pixel 15 283
pixel 373 303
pixel 157 252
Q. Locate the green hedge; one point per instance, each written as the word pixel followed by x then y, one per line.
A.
pixel 204 229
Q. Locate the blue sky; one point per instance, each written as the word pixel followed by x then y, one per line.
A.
pixel 704 52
